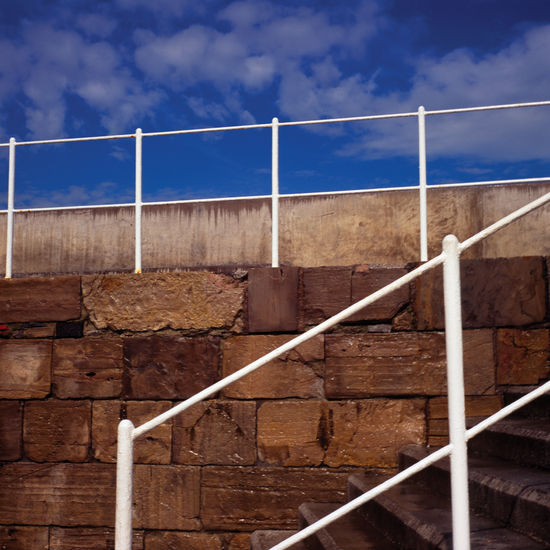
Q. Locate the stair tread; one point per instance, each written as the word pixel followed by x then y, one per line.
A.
pixel 429 514
pixel 345 533
pixel 535 428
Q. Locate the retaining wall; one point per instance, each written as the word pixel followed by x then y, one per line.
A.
pixel 79 353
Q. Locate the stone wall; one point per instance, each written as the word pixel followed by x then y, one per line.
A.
pixel 318 230
pixel 79 353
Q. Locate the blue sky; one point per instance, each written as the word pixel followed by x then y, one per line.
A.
pixel 72 68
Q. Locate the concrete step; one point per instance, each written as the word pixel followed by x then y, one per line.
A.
pixel 346 533
pixel 539 408
pixel 266 539
pixel 416 518
pixel 516 496
pixel 521 440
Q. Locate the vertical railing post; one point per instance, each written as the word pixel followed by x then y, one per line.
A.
pixel 422 184
pixel 138 201
pixel 455 390
pixel 124 478
pixel 11 191
pixel 275 192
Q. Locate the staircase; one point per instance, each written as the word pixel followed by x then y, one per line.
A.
pixel 509 488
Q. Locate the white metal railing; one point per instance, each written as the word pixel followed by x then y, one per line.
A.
pixel 275 195
pixel 457 450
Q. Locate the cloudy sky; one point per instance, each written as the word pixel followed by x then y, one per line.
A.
pixel 72 68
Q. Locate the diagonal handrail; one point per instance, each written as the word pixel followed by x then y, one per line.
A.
pixel 127 432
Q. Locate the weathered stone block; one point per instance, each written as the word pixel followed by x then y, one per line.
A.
pixel 57 430
pixel 220 432
pixel 326 291
pixel 15 537
pixel 166 497
pixel 238 541
pixel 245 499
pixel 73 538
pixel 523 356
pixel 152 301
pixel 152 448
pixel 10 430
pixel 295 374
pixel 39 299
pixel 59 494
pixel 87 367
pixel 362 433
pixel 25 369
pixel 366 280
pixel 273 299
pixel 168 540
pixel 495 292
pixel 363 365
pixel 169 368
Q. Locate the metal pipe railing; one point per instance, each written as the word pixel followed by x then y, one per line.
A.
pixel 455 383
pixel 275 194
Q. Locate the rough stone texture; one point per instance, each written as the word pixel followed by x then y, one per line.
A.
pixel 32 330
pixel 87 368
pixel 57 494
pixel 166 497
pixel 152 301
pixel 366 280
pixel 39 299
pixel 362 433
pixel 159 367
pixel 326 291
pixel 57 430
pixel 244 499
pixel 438 416
pixel 190 541
pixel 72 538
pixel 25 369
pixel 363 365
pixel 239 541
pixel 273 299
pixel 295 374
pixel 10 430
pixel 222 432
pixel 151 448
pixel 24 538
pixel 523 356
pixel 495 292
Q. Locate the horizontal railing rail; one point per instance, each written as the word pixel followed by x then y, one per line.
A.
pixel 275 124
pixel 452 249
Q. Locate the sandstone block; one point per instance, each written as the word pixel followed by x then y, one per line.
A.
pixel 367 280
pixel 10 430
pixel 152 301
pixel 152 448
pixel 25 369
pixel 238 541
pixel 362 433
pixel 495 292
pixel 169 368
pixel 72 538
pixel 245 499
pixel 15 537
pixel 168 540
pixel 57 494
pixel 166 497
pixel 57 430
pixel 326 291
pixel 39 299
pixel 295 374
pixel 220 432
pixel 438 418
pixel 523 356
pixel 363 365
pixel 87 368
pixel 273 299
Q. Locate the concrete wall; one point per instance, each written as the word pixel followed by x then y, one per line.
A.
pixel 377 227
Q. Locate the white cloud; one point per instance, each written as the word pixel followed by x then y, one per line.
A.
pixel 94 24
